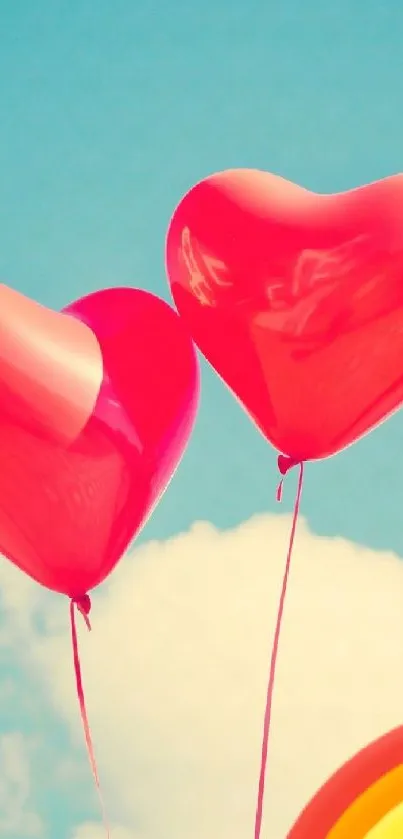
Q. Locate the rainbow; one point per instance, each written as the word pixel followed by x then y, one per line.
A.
pixel 362 800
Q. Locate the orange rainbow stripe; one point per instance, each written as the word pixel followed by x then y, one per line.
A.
pixel 363 800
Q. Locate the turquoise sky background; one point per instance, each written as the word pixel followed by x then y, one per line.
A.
pixel 109 113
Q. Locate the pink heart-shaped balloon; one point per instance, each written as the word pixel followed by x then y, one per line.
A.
pixel 296 299
pixel 97 404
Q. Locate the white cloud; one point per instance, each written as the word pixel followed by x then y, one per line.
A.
pixel 175 674
pixel 16 815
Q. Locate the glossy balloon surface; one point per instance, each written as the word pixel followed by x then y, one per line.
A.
pixel 296 299
pixel 96 406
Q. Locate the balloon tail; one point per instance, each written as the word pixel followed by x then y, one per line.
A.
pixel 84 605
pixel 285 464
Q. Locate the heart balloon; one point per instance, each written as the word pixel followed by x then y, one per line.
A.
pixel 363 800
pixel 296 299
pixel 97 404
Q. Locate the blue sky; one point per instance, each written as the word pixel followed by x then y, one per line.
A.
pixel 110 112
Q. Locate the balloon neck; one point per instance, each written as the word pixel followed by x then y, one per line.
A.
pixel 83 605
pixel 285 463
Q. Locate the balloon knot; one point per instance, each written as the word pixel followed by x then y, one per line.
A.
pixel 83 605
pixel 285 463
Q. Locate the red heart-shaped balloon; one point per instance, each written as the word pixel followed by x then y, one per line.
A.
pixel 96 406
pixel 296 299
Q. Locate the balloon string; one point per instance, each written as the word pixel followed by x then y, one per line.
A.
pixel 284 466
pixel 84 605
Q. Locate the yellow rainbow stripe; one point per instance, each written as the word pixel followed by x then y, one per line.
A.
pixel 391 827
